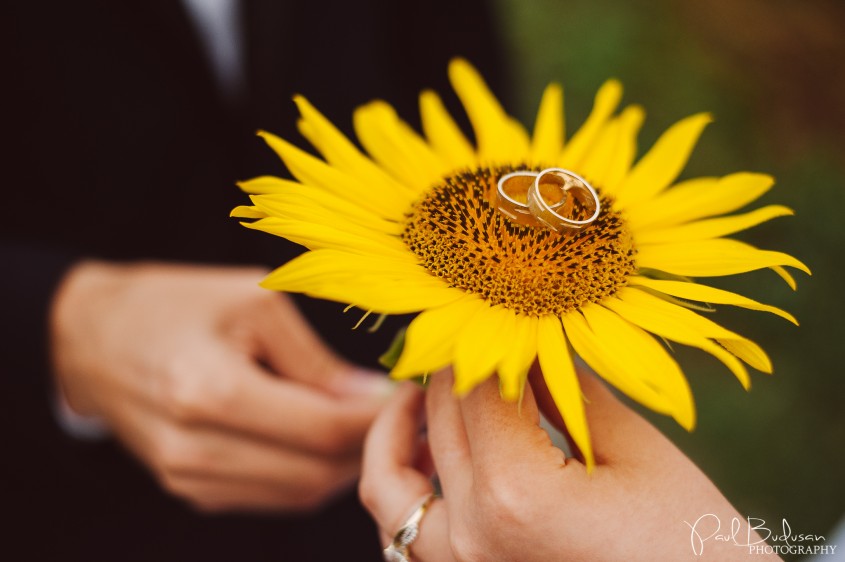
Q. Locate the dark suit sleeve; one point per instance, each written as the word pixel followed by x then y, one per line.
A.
pixel 30 278
pixel 32 265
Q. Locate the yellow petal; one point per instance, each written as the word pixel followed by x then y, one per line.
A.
pixel 501 139
pixel 443 134
pixel 702 293
pixel 786 276
pixel 514 367
pixel 396 147
pixel 265 184
pixel 655 315
pixel 698 198
pixel 663 163
pixel 386 203
pixel 247 212
pixel 332 267
pixel 548 129
pixel 749 352
pixel 380 285
pixel 607 98
pixel 339 151
pixel 343 235
pixel 631 360
pixel 712 228
pixel 709 258
pixel 729 360
pixel 690 319
pixel 430 338
pixel 595 164
pixel 480 345
pixel 375 295
pixel 287 198
pixel 559 374
pixel 630 121
pixel 315 205
pixel 324 264
pixel 613 150
pixel 645 358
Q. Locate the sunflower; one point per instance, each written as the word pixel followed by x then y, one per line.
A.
pixel 412 226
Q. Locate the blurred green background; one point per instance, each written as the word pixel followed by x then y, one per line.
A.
pixel 773 74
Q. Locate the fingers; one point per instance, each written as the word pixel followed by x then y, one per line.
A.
pixel 301 486
pixel 219 470
pixel 447 437
pixel 288 343
pixel 214 495
pixel 303 417
pixel 617 432
pixel 391 488
pixel 505 434
pixel 547 406
pixel 201 452
pixel 222 388
pixel 486 414
pixel 389 483
pixel 293 349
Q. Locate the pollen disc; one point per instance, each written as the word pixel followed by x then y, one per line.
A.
pixel 462 238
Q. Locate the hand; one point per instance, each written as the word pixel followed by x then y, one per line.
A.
pixel 510 494
pixel 220 387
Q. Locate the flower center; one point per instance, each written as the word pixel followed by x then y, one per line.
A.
pixel 462 238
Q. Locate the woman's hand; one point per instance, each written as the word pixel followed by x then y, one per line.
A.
pixel 510 494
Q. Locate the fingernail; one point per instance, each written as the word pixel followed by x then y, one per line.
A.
pixel 363 382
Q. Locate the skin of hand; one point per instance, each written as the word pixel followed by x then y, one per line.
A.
pixel 509 494
pixel 219 387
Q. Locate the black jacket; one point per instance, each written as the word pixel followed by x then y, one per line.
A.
pixel 117 145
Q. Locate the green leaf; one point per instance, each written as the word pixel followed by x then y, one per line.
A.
pixel 390 357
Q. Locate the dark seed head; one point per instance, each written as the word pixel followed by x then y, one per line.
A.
pixel 462 238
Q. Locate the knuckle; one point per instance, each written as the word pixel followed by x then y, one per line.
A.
pixel 177 486
pixel 371 493
pixel 171 484
pixel 179 390
pixel 321 484
pixel 465 548
pixel 502 505
pixel 367 492
pixel 321 479
pixel 190 396
pixel 334 437
pixel 176 455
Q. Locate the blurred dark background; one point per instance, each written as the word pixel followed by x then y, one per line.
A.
pixel 773 74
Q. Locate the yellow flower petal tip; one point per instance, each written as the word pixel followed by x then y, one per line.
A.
pixel 460 68
pixel 247 212
pixel 409 224
pixel 610 92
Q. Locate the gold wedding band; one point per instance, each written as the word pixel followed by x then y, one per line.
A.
pixel 574 203
pixel 512 197
pixel 399 549
pixel 555 198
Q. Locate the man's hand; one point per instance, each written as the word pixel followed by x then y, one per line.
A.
pixel 221 388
